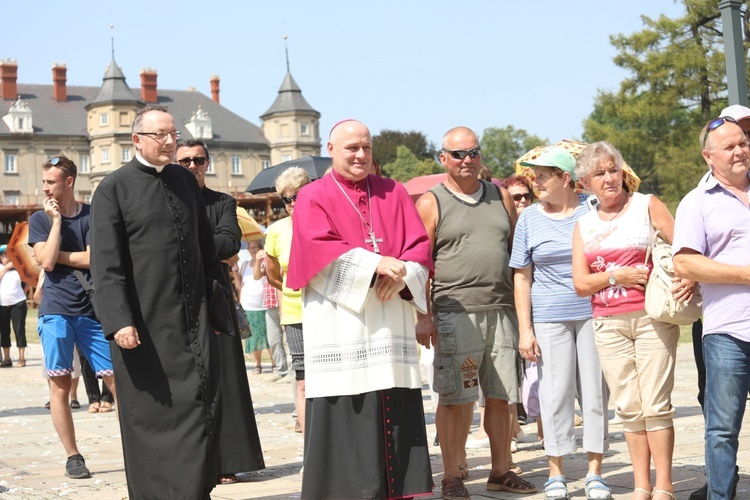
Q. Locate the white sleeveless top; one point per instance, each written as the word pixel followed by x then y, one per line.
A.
pixel 610 245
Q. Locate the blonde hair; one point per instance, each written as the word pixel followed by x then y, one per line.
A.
pixel 291 178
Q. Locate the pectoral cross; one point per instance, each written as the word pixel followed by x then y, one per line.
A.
pixel 372 239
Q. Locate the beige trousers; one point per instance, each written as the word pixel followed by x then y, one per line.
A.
pixel 637 356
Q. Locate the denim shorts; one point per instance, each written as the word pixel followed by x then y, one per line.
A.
pixel 477 348
pixel 59 334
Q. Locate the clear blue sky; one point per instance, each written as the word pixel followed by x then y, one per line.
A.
pixel 425 65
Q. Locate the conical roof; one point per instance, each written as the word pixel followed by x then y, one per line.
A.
pixel 114 89
pixel 289 99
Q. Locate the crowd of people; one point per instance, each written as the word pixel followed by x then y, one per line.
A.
pixel 143 283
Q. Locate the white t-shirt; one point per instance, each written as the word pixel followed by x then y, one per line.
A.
pixel 251 295
pixel 11 289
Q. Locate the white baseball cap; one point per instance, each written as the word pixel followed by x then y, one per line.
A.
pixel 739 113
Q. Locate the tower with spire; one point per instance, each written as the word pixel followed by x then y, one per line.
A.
pixel 291 125
pixel 108 122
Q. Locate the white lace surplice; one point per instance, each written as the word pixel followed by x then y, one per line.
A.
pixel 354 343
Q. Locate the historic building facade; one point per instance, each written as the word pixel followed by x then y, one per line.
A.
pixel 92 126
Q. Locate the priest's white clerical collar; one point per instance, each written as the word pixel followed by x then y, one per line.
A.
pixel 140 159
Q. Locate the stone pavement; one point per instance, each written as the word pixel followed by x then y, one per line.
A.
pixel 32 461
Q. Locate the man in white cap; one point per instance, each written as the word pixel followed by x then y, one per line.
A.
pixel 739 113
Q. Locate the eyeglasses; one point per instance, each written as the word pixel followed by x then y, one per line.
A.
pixel 162 136
pixel 288 199
pixel 718 122
pixel 460 154
pixel 524 196
pixel 198 160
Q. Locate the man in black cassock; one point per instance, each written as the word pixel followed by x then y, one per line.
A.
pixel 239 449
pixel 158 281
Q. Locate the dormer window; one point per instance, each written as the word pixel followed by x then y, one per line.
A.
pixel 199 125
pixel 19 119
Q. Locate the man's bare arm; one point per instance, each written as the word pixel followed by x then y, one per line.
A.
pixel 513 215
pixel 689 264
pixel 273 272
pixel 428 212
pixel 78 260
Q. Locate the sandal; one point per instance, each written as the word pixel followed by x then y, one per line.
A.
pixel 105 407
pixel 596 488
pixel 21 363
pixel 227 479
pixel 453 489
pixel 94 407
pixel 509 482
pixel 6 363
pixel 75 404
pixel 464 469
pixel 642 490
pixel 663 492
pixel 555 488
pixel 257 370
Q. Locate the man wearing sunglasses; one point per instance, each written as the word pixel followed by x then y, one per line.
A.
pixel 160 295
pixel 239 450
pixel 470 224
pixel 59 236
pixel 741 114
pixel 711 239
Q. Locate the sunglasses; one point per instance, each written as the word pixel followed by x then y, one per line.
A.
pixel 716 123
pixel 58 162
pixel 288 199
pixel 524 196
pixel 460 154
pixel 198 160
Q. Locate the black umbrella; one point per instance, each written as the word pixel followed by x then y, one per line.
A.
pixel 315 166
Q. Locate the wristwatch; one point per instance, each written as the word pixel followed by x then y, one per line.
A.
pixel 612 280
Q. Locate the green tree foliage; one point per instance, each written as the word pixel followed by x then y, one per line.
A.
pixel 407 165
pixel 386 143
pixel 676 83
pixel 501 147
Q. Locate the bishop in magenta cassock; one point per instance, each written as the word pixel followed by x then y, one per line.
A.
pixel 362 258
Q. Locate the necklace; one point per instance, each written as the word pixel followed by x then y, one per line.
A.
pixel 79 207
pixel 372 239
pixel 625 202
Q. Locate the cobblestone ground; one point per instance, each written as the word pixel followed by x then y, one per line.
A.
pixel 32 461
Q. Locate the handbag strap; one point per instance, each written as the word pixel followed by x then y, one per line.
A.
pixel 651 235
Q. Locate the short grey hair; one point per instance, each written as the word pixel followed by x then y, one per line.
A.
pixel 139 115
pixel 291 178
pixel 589 158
